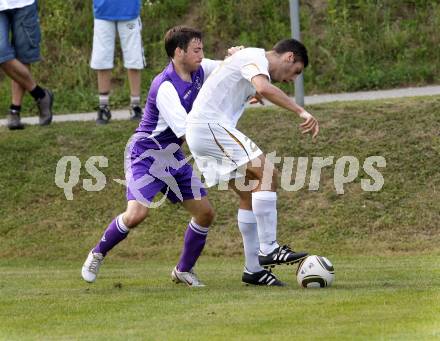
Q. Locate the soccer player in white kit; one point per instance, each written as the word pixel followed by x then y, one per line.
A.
pixel 223 153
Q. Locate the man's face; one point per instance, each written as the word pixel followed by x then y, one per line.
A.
pixel 192 57
pixel 288 68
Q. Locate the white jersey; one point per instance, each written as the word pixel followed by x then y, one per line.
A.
pixel 223 97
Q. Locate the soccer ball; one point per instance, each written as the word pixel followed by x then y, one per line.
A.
pixel 315 272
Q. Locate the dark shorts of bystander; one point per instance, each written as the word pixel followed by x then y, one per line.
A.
pixel 20 34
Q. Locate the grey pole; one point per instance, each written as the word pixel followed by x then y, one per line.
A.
pixel 296 34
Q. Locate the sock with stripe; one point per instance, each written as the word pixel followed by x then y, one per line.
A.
pixel 194 242
pixel 248 229
pixel 16 109
pixel 264 206
pixel 113 235
pixel 104 99
pixel 135 101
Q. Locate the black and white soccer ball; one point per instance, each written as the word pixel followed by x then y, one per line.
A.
pixel 315 272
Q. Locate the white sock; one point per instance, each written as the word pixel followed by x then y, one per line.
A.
pixel 264 206
pixel 135 101
pixel 248 228
pixel 120 224
pixel 104 99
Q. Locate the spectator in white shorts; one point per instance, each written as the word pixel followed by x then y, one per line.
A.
pixel 113 16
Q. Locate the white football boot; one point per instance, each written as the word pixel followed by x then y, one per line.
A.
pixel 91 266
pixel 189 278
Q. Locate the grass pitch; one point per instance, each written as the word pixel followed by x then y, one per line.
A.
pixel 373 298
pixel 384 245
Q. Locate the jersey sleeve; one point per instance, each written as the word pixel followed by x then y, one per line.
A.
pixel 255 66
pixel 170 108
pixel 209 65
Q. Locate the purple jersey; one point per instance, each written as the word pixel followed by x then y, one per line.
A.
pixel 155 162
pixel 187 94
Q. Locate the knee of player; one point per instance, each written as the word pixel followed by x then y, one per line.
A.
pixel 209 215
pixel 134 218
pixel 254 174
pixel 206 216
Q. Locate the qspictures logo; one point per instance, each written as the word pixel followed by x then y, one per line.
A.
pixel 295 173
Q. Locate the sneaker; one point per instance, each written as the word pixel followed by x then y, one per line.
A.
pixel 45 108
pixel 91 266
pixel 281 255
pixel 135 113
pixel 263 277
pixel 104 114
pixel 14 121
pixel 189 278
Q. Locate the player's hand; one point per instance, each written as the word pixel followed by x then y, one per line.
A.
pixel 310 124
pixel 234 49
pixel 256 99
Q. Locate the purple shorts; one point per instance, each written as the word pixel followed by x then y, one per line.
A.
pixel 150 170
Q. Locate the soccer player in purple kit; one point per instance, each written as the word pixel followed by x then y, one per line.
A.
pixel 156 163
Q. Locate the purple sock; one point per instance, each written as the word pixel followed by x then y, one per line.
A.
pixel 115 233
pixel 194 242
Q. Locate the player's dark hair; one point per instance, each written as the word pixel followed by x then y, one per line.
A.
pixel 293 45
pixel 180 36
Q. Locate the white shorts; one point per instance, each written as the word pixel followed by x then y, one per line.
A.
pixel 220 151
pixel 104 35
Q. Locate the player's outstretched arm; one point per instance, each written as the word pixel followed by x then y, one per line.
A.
pixel 278 97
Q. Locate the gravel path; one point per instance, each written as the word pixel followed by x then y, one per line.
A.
pixel 316 99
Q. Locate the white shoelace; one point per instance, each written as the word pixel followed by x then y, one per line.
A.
pixel 95 264
pixel 194 278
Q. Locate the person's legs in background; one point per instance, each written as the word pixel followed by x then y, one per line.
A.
pixel 130 34
pixel 104 34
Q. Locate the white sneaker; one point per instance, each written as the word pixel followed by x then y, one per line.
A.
pixel 189 278
pixel 91 266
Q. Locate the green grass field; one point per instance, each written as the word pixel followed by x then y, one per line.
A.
pixel 384 245
pixel 374 298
